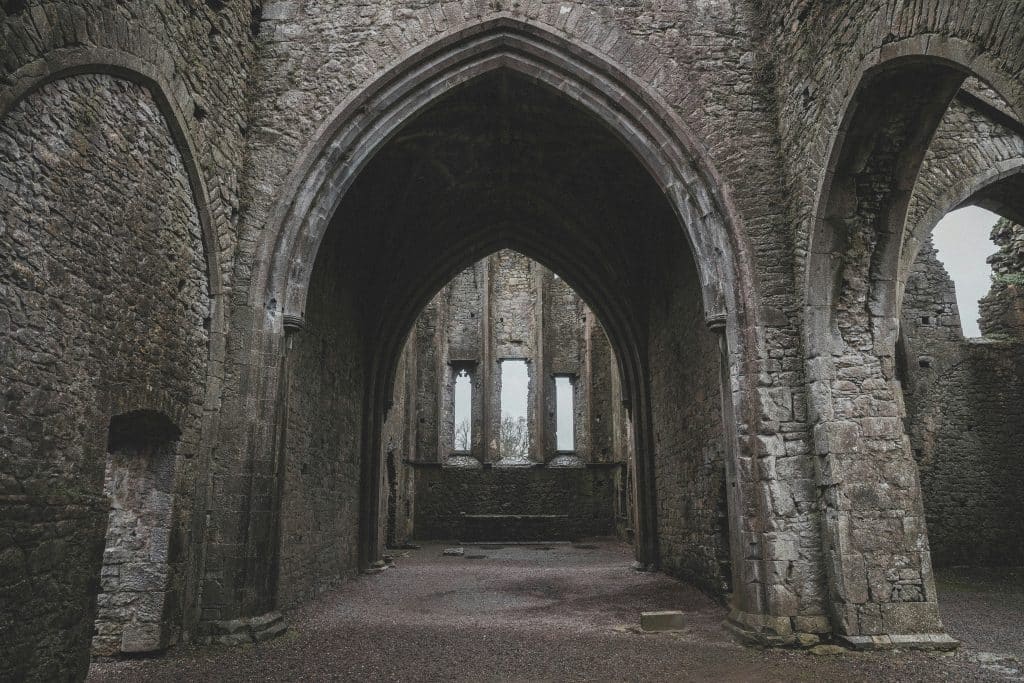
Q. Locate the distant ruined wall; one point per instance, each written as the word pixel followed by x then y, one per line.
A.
pixel 1002 309
pixel 965 417
pixel 514 504
pixel 533 315
pixel 104 310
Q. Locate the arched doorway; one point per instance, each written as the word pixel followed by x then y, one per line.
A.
pixel 492 143
pixel 861 251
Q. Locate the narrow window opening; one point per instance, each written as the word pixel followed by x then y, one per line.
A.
pixel 565 423
pixel 463 411
pixel 514 435
pixel 963 243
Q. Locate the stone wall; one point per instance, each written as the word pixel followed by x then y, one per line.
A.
pixel 514 504
pixel 48 592
pixel 198 54
pixel 860 88
pixel 172 138
pixel 533 315
pixel 688 438
pixel 1002 309
pixel 319 516
pixel 105 309
pixel 963 399
pixel 398 445
pixel 136 583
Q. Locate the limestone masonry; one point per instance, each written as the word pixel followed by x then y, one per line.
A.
pixel 249 248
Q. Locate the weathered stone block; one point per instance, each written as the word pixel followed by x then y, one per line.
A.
pixel 139 638
pixel 662 621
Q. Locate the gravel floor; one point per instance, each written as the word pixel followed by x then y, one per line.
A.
pixel 563 612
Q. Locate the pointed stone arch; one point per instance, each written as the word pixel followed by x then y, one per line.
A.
pixel 853 289
pixel 632 112
pixel 362 124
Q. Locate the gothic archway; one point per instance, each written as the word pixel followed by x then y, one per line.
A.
pixel 855 276
pixel 655 139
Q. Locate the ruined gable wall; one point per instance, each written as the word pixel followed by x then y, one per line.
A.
pixel 532 315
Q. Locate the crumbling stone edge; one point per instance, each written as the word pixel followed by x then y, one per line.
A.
pixel 244 630
pixel 761 630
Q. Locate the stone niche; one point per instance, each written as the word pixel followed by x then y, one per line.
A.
pixel 131 605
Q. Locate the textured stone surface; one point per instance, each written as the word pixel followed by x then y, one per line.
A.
pixel 176 176
pixel 1002 309
pixel 514 504
pixel 879 578
pixel 504 306
pixel 318 517
pixel 105 310
pixel 689 443
pixel 963 400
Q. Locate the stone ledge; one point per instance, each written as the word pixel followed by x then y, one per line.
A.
pixel 243 630
pixel 912 641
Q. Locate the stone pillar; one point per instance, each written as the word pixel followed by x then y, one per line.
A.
pixel 882 592
pixel 539 370
pixel 488 451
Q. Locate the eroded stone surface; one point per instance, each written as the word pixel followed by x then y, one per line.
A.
pixel 727 182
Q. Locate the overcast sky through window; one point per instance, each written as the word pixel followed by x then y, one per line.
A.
pixel 962 241
pixel 565 436
pixel 515 384
pixel 463 411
